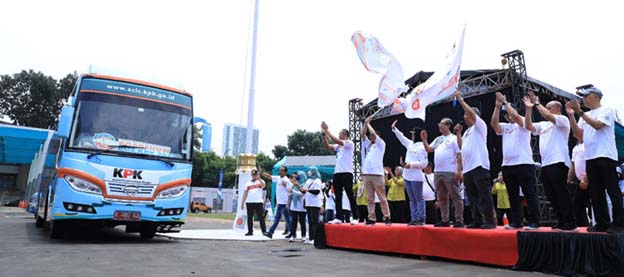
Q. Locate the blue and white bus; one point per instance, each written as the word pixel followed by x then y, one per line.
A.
pixel 122 155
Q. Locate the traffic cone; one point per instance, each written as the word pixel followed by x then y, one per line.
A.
pixel 505 220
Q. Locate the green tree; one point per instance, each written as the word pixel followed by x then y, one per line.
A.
pixel 33 99
pixel 302 143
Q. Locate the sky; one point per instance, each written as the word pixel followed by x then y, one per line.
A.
pixel 306 66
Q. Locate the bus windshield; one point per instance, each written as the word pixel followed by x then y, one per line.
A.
pixel 117 123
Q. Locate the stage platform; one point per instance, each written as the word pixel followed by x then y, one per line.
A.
pixel 541 250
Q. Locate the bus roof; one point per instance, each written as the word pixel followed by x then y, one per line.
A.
pixel 134 81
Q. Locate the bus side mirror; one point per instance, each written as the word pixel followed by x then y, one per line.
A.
pixel 65 122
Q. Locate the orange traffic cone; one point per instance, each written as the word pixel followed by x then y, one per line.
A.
pixel 505 220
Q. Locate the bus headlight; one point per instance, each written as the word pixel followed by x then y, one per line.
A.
pixel 173 192
pixel 82 185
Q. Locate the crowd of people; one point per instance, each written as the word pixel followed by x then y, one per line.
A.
pixel 456 190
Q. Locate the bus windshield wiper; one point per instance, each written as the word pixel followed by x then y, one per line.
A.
pixel 170 164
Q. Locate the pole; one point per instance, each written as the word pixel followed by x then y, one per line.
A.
pixel 252 83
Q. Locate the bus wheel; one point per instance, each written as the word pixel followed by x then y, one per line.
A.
pixel 57 229
pixel 148 232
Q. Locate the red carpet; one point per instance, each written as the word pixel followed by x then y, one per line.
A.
pixel 495 247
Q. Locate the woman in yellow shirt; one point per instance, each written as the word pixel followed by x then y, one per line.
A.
pixel 361 201
pixel 396 195
pixel 502 199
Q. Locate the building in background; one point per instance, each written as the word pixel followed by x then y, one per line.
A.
pixel 210 197
pixel 206 137
pixel 234 140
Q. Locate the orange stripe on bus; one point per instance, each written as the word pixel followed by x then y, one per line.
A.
pixel 139 82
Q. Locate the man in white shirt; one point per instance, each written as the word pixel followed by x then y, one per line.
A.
pixel 281 198
pixel 553 146
pixel 343 172
pixel 476 167
pixel 252 200
pixel 597 127
pixel 518 166
pixel 447 160
pixel 373 172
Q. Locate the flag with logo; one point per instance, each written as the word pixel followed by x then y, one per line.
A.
pixel 377 59
pixel 440 85
pixel 220 185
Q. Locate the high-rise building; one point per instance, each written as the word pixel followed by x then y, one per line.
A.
pixel 235 138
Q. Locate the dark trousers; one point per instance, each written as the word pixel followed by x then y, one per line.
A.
pixel 478 185
pixel 300 218
pixel 397 210
pixel 432 214
pixel 517 176
pixel 258 210
pixel 556 189
pixel 363 212
pixel 347 216
pixel 313 220
pixel 499 216
pixel 602 176
pixel 581 203
pixel 344 181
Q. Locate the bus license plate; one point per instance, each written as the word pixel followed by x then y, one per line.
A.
pixel 127 216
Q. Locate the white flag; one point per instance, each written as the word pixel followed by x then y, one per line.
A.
pixel 440 85
pixel 377 59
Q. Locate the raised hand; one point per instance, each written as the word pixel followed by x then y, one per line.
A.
pixel 456 94
pixel 458 128
pixel 394 124
pixel 528 103
pixel 324 126
pixel 568 108
pixel 574 105
pixel 533 97
pixel 423 135
pixel 368 119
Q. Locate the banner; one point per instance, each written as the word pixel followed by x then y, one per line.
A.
pixel 440 85
pixel 377 59
pixel 220 185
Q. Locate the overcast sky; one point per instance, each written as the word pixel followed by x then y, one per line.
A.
pixel 307 67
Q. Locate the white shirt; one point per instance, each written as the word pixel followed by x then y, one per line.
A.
pixel 416 156
pixel 373 156
pixel 516 144
pixel 330 202
pixel 254 192
pixel 600 143
pixel 578 158
pixel 344 157
pixel 281 193
pixel 297 201
pixel 428 194
pixel 474 147
pixel 312 200
pixel 346 205
pixel 446 150
pixel 553 140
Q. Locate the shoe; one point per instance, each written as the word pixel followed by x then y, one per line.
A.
pixel 289 235
pixel 512 226
pixel 268 235
pixel 596 228
pixel 285 232
pixel 458 225
pixel 533 226
pixel 488 226
pixel 292 239
pixel 474 225
pixel 412 223
pixel 335 221
pixel 442 224
pixel 614 229
pixel 309 242
pixel 249 234
pixel 420 223
pixel 304 241
pixel 556 227
pixel 370 222
pixel 387 221
pixel 353 222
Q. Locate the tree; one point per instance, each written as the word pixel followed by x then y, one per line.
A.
pixel 302 143
pixel 33 99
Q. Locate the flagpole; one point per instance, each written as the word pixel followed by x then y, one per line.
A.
pixel 252 83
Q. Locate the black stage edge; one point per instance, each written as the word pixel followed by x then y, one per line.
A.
pixel 571 254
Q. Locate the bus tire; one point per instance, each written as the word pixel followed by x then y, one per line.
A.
pixel 148 232
pixel 57 229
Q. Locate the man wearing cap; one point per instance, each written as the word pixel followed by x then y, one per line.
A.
pixel 553 146
pixel 597 127
pixel 518 166
pixel 447 174
pixel 476 167
pixel 252 200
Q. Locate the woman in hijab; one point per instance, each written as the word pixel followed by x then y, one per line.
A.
pixel 297 211
pixel 313 200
